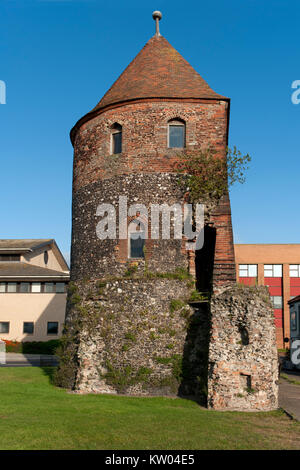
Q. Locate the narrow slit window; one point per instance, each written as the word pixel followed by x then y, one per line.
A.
pixel 116 139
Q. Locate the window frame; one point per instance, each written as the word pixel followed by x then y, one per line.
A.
pixel 52 334
pixel 294 321
pixel 272 297
pixel 7 332
pixel 297 270
pixel 41 285
pixel 24 284
pixel 272 269
pixel 180 123
pixel 130 233
pixel 116 129
pixel 53 287
pixel 247 269
pixel 10 284
pixel 26 332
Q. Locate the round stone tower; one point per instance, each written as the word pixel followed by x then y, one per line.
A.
pixel 131 324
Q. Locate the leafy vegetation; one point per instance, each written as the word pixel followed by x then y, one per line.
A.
pixel 207 174
pixel 176 304
pixel 32 347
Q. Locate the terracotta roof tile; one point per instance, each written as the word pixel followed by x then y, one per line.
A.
pixel 158 71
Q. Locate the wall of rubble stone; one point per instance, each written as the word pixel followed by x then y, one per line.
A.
pixel 243 362
pixel 137 335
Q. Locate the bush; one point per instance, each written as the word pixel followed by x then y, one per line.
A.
pixel 32 347
pixel 40 347
pixel 13 346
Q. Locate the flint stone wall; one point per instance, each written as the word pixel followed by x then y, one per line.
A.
pixel 132 339
pixel 243 361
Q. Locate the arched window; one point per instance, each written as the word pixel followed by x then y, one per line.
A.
pixel 136 239
pixel 176 133
pixel 116 139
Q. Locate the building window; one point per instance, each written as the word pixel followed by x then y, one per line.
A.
pixel 49 287
pixel 248 270
pixel 176 134
pixel 276 301
pixel 11 287
pixel 136 239
pixel 52 328
pixel 273 270
pixel 116 139
pixel 294 270
pixel 25 287
pixel 293 320
pixel 9 258
pixel 2 287
pixel 36 287
pixel 4 326
pixel 28 327
pixel 136 246
pixel 46 257
pixel 60 287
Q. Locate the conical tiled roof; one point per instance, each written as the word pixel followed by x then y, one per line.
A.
pixel 158 71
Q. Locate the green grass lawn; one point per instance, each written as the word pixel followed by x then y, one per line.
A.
pixel 36 415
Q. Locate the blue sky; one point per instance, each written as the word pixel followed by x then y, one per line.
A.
pixel 58 58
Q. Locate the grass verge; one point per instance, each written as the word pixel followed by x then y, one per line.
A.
pixel 36 415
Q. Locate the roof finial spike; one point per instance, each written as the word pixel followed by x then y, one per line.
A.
pixel 157 16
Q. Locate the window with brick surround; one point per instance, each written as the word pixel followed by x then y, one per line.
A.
pixel 273 270
pixel 116 139
pixel 247 270
pixel 136 239
pixel 294 270
pixel 176 133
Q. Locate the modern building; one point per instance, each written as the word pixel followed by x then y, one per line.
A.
pixel 33 281
pixel 275 266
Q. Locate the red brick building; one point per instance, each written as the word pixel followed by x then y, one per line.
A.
pixel 275 266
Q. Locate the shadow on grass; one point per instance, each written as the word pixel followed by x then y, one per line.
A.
pixel 50 373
